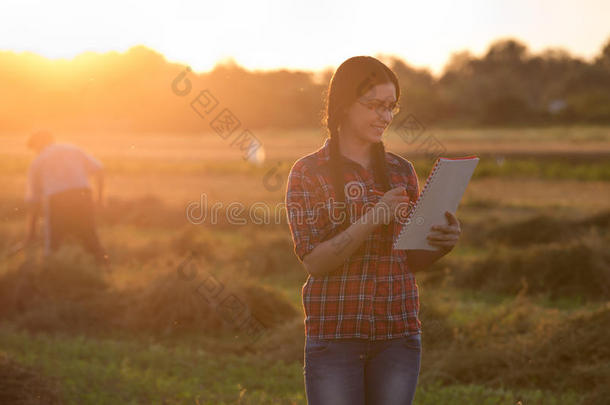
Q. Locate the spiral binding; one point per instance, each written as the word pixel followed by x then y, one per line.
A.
pixel 436 166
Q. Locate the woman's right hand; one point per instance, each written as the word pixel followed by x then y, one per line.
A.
pixel 391 204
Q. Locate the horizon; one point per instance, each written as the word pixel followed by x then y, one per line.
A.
pixel 231 61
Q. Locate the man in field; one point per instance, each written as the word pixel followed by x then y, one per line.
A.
pixel 58 185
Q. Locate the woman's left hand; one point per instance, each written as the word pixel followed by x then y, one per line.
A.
pixel 445 236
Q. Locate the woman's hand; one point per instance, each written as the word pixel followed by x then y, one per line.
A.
pixel 391 203
pixel 445 236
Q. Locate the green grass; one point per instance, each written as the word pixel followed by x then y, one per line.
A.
pixel 537 167
pixel 545 135
pixel 511 167
pixel 129 371
pixel 435 394
pixel 132 372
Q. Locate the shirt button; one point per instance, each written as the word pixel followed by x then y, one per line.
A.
pixel 362 357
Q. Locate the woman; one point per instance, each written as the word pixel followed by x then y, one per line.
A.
pixel 363 342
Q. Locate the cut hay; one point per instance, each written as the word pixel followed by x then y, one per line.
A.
pixel 284 343
pixel 169 305
pixel 546 229
pixel 559 355
pixel 578 269
pixel 67 292
pixel 268 255
pixel 174 304
pixel 146 211
pixel 436 330
pixel 20 385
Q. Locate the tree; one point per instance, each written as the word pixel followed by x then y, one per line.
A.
pixel 604 58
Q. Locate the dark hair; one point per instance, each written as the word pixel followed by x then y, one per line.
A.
pixel 353 78
pixel 40 139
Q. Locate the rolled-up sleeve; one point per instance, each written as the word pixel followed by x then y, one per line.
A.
pixel 90 163
pixel 307 213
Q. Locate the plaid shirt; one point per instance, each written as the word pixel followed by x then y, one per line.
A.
pixel 372 295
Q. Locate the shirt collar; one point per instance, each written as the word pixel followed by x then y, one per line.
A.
pixel 323 156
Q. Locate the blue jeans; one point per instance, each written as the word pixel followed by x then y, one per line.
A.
pixel 361 371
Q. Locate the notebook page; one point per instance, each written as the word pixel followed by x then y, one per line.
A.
pixel 442 192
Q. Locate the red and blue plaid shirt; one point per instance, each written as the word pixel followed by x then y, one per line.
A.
pixel 373 295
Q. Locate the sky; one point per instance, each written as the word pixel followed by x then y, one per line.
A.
pixel 296 35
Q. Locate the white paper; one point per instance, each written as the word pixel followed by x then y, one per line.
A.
pixel 442 193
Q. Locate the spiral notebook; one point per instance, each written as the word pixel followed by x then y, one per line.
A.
pixel 442 192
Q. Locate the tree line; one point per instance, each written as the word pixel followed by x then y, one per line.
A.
pixel 132 91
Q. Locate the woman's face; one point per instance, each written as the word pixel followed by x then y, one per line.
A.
pixel 369 125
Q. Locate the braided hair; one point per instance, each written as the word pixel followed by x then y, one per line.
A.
pixel 353 78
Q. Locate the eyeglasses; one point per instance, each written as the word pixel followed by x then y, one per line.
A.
pixel 379 107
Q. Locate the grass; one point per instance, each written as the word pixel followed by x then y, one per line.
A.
pixel 578 268
pixel 134 372
pixel 435 393
pixel 131 372
pixel 510 167
pixel 476 332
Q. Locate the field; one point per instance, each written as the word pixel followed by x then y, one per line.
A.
pixel 517 313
